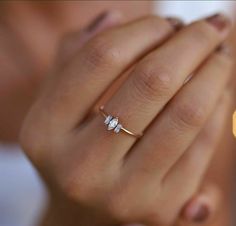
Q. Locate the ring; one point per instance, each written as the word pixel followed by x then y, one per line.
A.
pixel 112 123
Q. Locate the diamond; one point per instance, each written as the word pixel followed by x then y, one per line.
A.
pixel 112 124
pixel 118 128
pixel 108 119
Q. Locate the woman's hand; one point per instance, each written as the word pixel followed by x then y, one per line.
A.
pixel 113 178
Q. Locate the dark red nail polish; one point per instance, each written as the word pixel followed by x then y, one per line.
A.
pixel 202 214
pixel 175 22
pixel 96 22
pixel 219 21
pixel 225 49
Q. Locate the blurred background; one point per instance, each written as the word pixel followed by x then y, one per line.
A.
pixel 23 197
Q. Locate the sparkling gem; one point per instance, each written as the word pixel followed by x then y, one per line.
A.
pixel 108 119
pixel 112 124
pixel 118 128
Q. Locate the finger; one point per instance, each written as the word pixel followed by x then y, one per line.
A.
pixel 194 162
pixel 149 162
pixel 156 79
pixel 176 22
pixel 69 95
pixel 179 123
pixel 187 174
pixel 73 41
pixel 202 207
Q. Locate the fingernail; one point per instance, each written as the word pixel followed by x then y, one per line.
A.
pixel 199 213
pixel 219 21
pixel 96 22
pixel 225 49
pixel 175 22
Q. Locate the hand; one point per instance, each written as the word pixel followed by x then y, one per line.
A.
pixel 205 205
pixel 110 178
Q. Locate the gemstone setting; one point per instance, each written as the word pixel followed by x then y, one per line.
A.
pixel 108 119
pixel 118 128
pixel 112 124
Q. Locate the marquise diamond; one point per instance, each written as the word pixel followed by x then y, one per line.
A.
pixel 112 124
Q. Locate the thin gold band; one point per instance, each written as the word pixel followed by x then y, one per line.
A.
pixel 106 115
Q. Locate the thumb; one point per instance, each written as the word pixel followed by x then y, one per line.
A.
pixel 73 41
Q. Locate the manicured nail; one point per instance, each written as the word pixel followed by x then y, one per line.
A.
pixel 104 21
pixel 219 21
pixel 225 49
pixel 175 22
pixel 199 213
pixel 96 22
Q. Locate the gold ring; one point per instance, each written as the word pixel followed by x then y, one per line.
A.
pixel 112 123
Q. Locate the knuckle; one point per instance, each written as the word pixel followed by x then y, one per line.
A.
pixel 151 83
pixel 102 52
pixel 189 114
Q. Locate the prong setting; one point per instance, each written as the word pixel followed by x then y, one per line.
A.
pixel 108 119
pixel 113 123
pixel 118 128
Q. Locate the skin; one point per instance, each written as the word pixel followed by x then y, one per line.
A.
pixel 32 50
pixel 58 126
pixel 42 61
